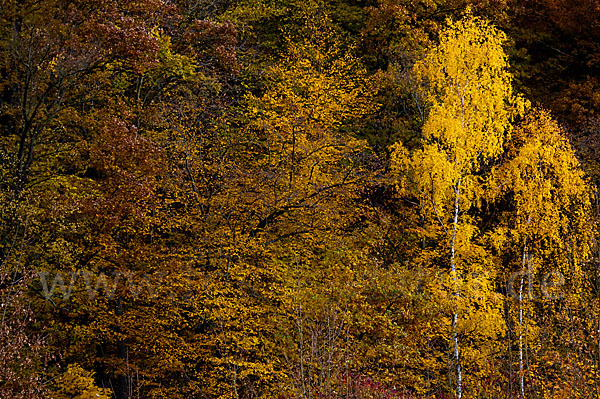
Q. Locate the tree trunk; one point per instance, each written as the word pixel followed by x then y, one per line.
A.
pixel 456 294
pixel 521 345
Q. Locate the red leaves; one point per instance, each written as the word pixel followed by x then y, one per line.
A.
pixel 122 31
pixel 128 165
pixel 121 150
pixel 214 41
pixel 20 348
pixel 127 41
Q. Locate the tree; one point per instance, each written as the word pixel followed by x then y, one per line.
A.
pixel 310 168
pixel 82 171
pixel 470 98
pixel 78 383
pixel 547 227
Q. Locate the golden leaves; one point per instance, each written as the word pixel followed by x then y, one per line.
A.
pixel 78 383
pixel 469 91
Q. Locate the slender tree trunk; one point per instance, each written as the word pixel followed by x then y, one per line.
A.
pixel 122 385
pixel 507 321
pixel 524 270
pixel 455 279
pixel 521 372
pixel 300 323
pixel 330 334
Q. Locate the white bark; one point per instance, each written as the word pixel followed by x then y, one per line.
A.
pixel 521 346
pixel 456 294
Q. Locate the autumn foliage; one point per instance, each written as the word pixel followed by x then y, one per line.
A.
pixel 300 199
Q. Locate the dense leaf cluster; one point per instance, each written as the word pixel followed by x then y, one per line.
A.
pixel 299 199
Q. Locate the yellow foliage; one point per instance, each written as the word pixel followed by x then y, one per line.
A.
pixel 550 193
pixel 469 92
pixel 78 383
pixel 468 88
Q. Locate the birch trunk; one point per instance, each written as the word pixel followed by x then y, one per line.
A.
pixel 454 278
pixel 521 346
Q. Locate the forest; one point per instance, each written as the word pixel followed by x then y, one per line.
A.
pixel 299 199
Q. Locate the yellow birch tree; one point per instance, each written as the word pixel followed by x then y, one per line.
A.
pixel 546 230
pixel 471 104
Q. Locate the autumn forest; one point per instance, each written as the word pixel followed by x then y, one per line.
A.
pixel 311 199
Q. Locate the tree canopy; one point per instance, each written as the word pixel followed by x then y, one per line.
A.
pixel 284 199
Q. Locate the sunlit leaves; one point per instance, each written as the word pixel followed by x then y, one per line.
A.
pixel 468 88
